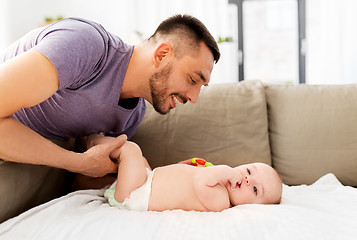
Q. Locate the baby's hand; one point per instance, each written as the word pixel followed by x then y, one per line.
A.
pixel 236 180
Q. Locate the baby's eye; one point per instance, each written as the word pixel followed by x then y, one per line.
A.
pixel 248 171
pixel 255 190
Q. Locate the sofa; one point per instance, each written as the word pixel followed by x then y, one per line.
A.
pixel 307 133
pixel 303 131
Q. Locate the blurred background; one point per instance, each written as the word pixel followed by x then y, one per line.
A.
pixel 276 41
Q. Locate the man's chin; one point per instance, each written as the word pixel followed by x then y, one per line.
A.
pixel 162 111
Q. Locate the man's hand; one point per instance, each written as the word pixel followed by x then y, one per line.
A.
pixel 95 162
pixel 188 161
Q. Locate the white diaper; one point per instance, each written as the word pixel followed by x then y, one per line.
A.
pixel 138 199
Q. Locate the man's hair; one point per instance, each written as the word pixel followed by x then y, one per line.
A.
pixel 186 31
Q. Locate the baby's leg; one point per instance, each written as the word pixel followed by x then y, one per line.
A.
pixel 132 171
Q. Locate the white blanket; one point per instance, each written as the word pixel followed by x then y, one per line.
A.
pixel 323 210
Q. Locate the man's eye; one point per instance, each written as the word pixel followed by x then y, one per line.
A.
pixel 192 80
pixel 255 190
pixel 248 171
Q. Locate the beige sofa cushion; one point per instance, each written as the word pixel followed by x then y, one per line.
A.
pixel 227 125
pixel 313 131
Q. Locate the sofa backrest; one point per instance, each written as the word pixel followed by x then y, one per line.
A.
pixel 313 131
pixel 304 131
pixel 227 125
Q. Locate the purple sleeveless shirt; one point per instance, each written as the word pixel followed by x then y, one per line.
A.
pixel 91 65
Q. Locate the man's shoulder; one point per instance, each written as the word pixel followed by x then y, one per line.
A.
pixel 78 25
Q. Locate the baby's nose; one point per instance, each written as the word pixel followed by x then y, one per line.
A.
pixel 247 180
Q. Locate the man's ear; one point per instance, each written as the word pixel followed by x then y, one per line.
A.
pixel 162 51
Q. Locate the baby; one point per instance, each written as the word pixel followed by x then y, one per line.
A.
pixel 182 186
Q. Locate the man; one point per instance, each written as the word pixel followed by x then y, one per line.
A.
pixel 73 78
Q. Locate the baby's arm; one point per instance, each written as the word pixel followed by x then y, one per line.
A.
pixel 211 185
pixel 211 176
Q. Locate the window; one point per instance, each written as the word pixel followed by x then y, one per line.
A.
pixel 271 40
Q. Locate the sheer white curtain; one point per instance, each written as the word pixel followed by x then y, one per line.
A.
pixel 331 56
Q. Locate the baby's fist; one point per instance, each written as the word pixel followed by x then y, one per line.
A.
pixel 236 180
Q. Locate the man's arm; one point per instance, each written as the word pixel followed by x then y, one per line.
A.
pixel 25 81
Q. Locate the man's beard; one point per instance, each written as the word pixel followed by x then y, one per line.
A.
pixel 159 88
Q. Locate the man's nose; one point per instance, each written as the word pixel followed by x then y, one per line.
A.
pixel 193 94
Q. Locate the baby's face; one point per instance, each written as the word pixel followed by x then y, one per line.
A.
pixel 260 184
